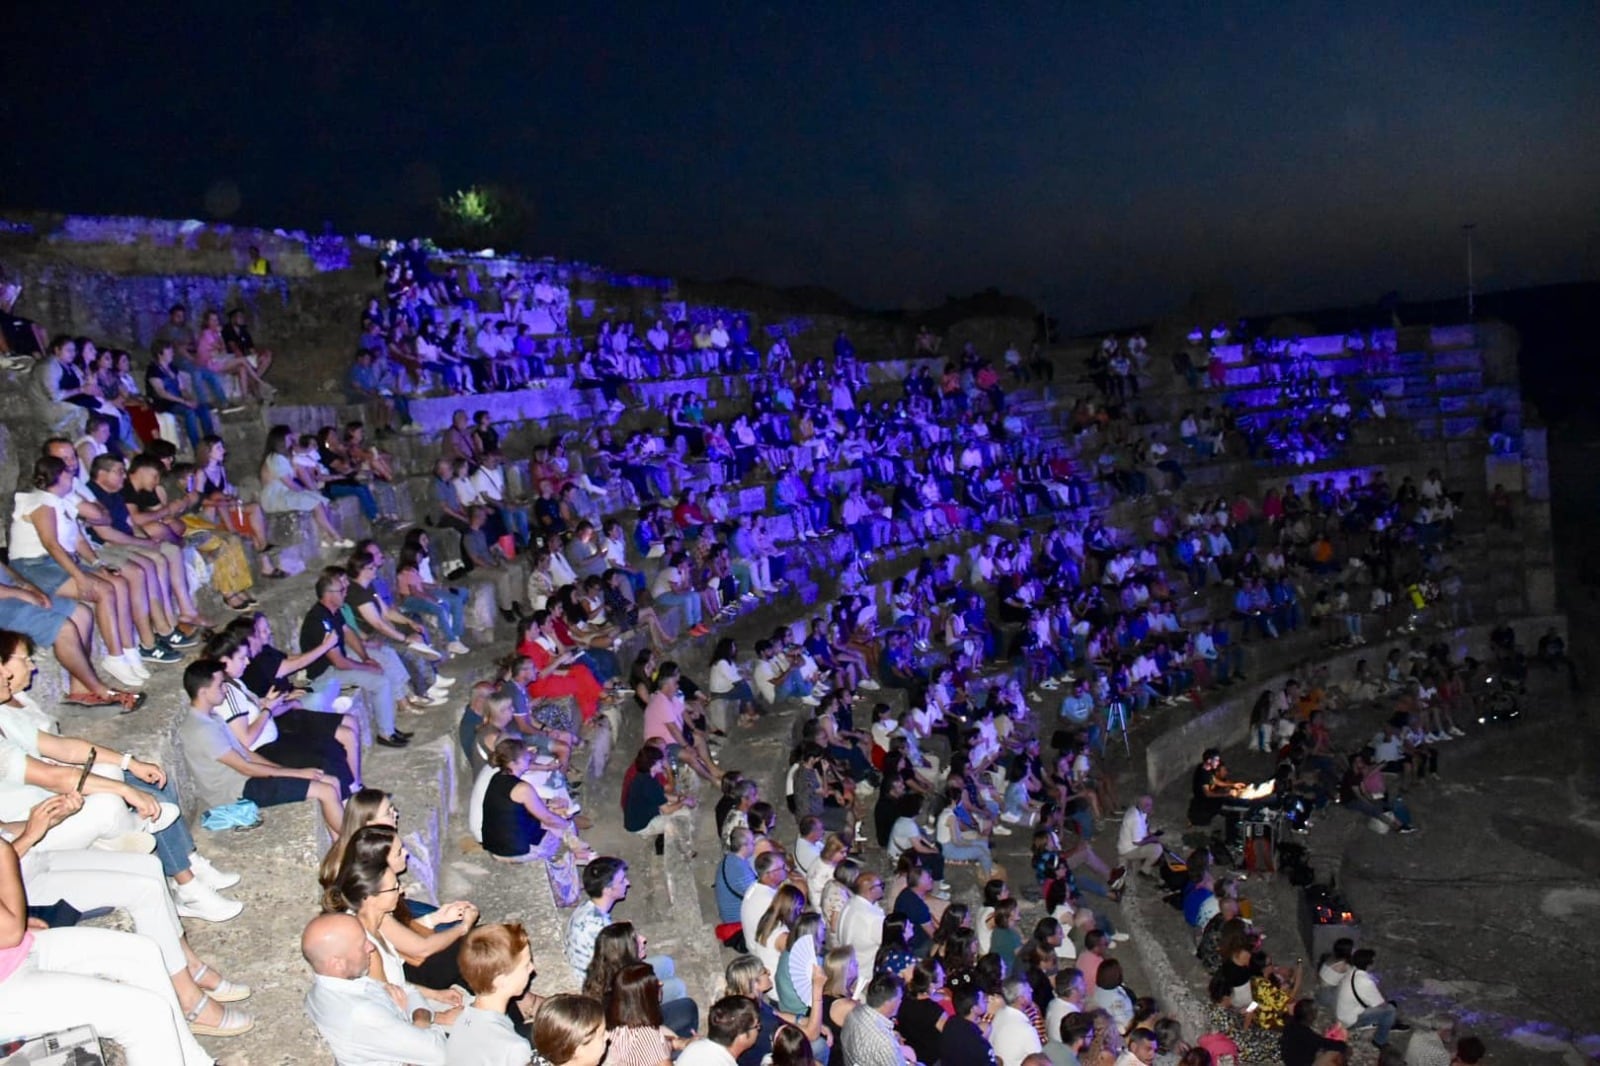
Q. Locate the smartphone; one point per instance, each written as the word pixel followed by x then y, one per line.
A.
pixel 1252 1006
pixel 88 764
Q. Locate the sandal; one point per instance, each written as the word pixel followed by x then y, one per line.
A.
pixel 226 991
pixel 128 701
pixel 234 1022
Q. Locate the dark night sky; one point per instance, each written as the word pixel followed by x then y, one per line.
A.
pixel 1109 158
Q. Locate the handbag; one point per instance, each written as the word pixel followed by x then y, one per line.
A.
pixel 238 815
pixel 564 881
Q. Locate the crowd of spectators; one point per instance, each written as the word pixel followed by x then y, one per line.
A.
pixel 851 943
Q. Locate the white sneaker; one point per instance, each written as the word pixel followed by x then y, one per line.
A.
pixel 209 875
pixel 130 656
pixel 810 701
pixel 427 651
pixel 869 684
pixel 120 672
pixel 1120 938
pixel 1011 819
pixel 455 647
pixel 199 900
pixel 437 693
pixel 168 814
pixel 430 700
pixel 443 681
pixel 1001 831
pixel 1457 731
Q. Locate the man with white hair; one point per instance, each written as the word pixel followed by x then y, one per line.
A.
pixel 1138 845
pixel 1012 1034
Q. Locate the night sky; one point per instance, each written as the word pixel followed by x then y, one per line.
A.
pixel 1107 159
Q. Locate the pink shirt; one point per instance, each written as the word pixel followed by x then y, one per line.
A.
pixel 658 713
pixel 207 346
pixel 1088 964
pixel 13 957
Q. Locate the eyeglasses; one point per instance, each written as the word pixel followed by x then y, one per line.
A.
pixel 383 891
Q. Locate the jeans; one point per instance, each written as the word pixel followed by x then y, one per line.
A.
pixel 340 489
pixel 688 601
pixel 1090 882
pixel 977 852
pixel 672 986
pixel 197 422
pixel 516 518
pixel 174 845
pixel 1016 800
pixel 204 380
pixel 376 686
pixel 681 1015
pixel 602 663
pixel 447 608
pixel 403 666
pixel 1382 1016
pixel 793 686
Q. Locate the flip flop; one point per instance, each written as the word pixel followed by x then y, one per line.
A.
pixel 128 701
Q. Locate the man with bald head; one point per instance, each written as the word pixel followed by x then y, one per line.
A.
pixel 365 1022
pixel 1138 845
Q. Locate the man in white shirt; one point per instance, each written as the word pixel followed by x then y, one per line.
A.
pixel 1138 845
pixel 1359 1002
pixel 732 1028
pixel 489 483
pixel 1069 997
pixel 771 869
pixel 365 1022
pixel 1012 1034
pixel 808 845
pixel 861 921
pixel 657 337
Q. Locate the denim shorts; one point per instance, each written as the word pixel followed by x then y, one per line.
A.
pixel 42 571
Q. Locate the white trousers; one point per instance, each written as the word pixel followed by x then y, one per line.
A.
pixel 112 981
pixel 91 879
pixel 103 815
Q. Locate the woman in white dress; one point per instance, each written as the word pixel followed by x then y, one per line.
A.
pixel 282 493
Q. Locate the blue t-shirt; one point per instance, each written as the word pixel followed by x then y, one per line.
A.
pixel 734 877
pixel 913 907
